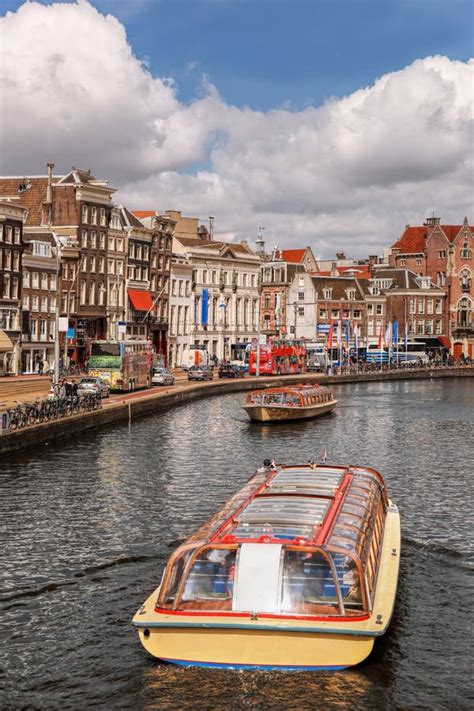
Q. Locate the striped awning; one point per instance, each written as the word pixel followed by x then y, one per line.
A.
pixel 5 342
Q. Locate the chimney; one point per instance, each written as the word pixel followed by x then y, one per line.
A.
pixel 340 255
pixel 47 207
pixel 333 269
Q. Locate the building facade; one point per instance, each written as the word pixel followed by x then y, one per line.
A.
pixel 444 253
pixel 12 219
pixel 224 302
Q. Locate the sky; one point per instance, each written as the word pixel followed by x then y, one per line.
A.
pixel 331 123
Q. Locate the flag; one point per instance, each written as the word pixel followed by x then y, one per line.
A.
pixel 395 332
pixel 355 331
pixel 381 337
pixel 339 333
pixel 329 341
pixel 324 457
pixel 348 332
pixel 388 335
pixel 406 334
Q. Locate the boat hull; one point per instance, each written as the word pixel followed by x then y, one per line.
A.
pixel 265 413
pixel 267 649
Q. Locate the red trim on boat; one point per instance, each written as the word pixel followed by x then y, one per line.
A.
pixel 331 515
pixel 263 615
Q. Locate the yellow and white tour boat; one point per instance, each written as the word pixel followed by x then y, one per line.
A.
pixel 297 571
pixel 292 402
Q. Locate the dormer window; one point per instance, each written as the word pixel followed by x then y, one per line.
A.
pixel 327 293
pixel 351 294
pixel 374 290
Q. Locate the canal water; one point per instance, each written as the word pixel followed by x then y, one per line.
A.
pixel 88 524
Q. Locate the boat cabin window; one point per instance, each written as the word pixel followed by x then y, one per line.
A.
pixel 308 584
pixel 349 581
pixel 210 582
pixel 172 581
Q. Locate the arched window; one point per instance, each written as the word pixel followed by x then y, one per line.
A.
pixel 464 313
pixel 465 279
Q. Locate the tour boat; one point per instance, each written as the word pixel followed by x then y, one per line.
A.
pixel 292 402
pixel 297 571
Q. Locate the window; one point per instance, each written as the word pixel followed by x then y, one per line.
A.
pixel 101 265
pixel 7 264
pixel 94 239
pixel 26 303
pixel 92 264
pixel 101 289
pixel 8 234
pixel 412 306
pixel 351 294
pixel 1 233
pixel 429 306
pixel 94 215
pixel 403 262
pixel 421 306
pixel 44 303
pixel 35 303
pixel 84 213
pixel 438 326
pixel 15 286
pixel 429 327
pixel 327 293
pixel 26 280
pixel 102 240
pixel 91 293
pixel 83 264
pixel 370 309
pixel 83 292
pixel 357 314
pixel 418 261
pixel 204 276
pixel 34 329
pixel 465 251
pixel 335 313
pixel 420 327
pixel 300 310
pixel 301 296
pixel 41 249
pixel 102 216
pixel 378 309
pixel 16 235
pixel 84 238
pixel 441 278
pixel 44 281
pixel 323 313
pixel 43 329
pixel 441 254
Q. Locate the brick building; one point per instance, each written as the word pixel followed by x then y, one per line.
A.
pixel 12 218
pixel 444 253
pixel 276 276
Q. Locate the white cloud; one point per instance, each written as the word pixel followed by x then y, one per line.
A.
pixel 349 174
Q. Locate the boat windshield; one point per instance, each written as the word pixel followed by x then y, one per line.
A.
pixel 309 581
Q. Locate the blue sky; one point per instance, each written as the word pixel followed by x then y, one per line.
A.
pixel 332 123
pixel 293 53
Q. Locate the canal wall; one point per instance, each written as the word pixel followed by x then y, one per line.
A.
pixel 133 405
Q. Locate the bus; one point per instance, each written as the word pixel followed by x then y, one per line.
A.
pixel 240 355
pixel 279 357
pixel 317 358
pixel 411 352
pixel 123 365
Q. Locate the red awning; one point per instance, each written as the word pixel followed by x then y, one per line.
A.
pixel 445 342
pixel 141 300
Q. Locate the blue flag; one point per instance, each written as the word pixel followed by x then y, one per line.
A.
pixel 205 307
pixel 395 333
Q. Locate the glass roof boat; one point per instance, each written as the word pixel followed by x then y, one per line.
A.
pixel 297 571
pixel 292 402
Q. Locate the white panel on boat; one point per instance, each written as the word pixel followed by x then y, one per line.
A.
pixel 257 578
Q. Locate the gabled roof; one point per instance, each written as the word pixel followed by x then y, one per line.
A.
pixel 131 220
pixel 412 240
pixel 361 271
pixel 339 286
pixel 32 198
pixel 295 256
pixel 212 244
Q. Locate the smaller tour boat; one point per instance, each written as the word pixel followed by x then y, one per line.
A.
pixel 297 571
pixel 291 402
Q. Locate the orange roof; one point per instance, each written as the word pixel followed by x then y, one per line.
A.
pixel 293 255
pixel 141 300
pixel 412 241
pixel 451 231
pixel 144 213
pixel 360 271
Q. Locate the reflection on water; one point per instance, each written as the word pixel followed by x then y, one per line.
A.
pixel 89 524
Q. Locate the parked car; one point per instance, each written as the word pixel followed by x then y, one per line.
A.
pixel 199 372
pixel 93 385
pixel 162 376
pixel 226 370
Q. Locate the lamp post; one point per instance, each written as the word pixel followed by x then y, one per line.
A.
pixel 60 242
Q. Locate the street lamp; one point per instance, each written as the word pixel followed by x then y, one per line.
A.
pixel 60 242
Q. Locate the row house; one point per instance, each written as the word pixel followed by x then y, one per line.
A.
pixel 277 274
pixel 444 253
pixel 317 301
pixel 161 229
pixel 39 301
pixel 12 218
pixel 117 250
pixel 224 304
pixel 414 301
pixel 75 209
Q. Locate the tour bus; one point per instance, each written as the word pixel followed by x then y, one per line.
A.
pixel 123 365
pixel 317 358
pixel 410 352
pixel 279 357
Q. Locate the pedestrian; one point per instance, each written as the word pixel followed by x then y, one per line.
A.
pixel 62 389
